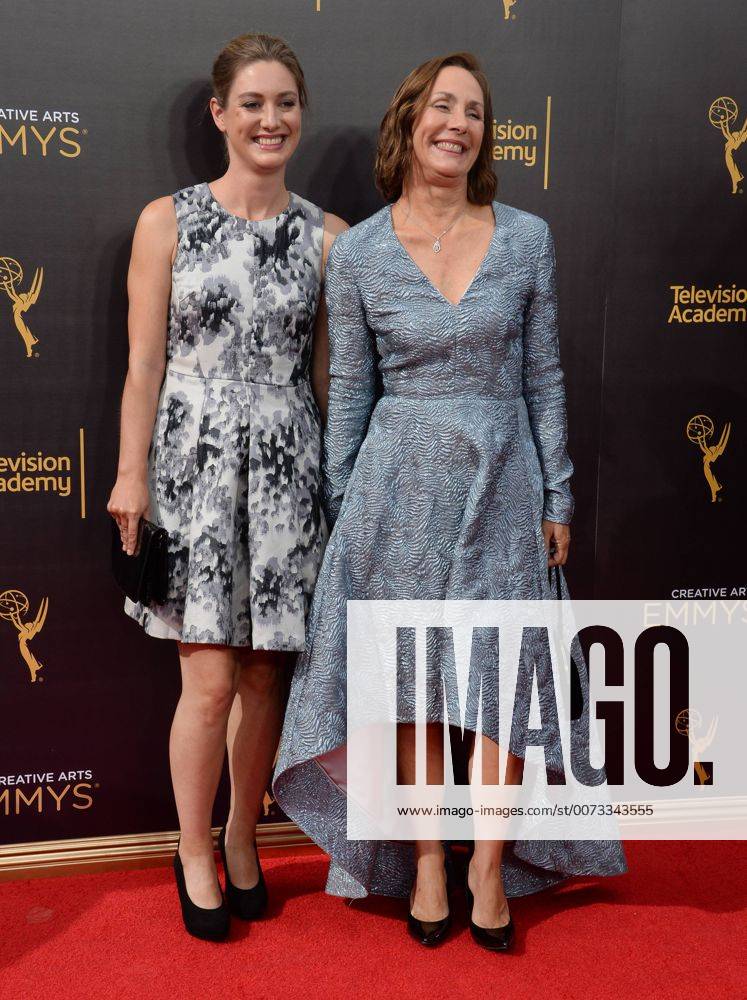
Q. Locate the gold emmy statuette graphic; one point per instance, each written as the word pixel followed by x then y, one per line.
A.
pixel 699 429
pixel 11 273
pixel 507 5
pixel 688 720
pixel 13 606
pixel 722 114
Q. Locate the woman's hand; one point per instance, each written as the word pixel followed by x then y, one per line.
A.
pixel 557 542
pixel 128 503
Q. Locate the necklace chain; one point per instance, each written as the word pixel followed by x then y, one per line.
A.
pixel 437 239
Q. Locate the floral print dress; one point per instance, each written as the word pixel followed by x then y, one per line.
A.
pixel 234 459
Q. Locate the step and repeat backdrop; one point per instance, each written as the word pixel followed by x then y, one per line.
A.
pixel 621 122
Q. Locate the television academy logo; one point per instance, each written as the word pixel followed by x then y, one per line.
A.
pixel 507 5
pixel 525 141
pixel 11 275
pixel 723 114
pixel 700 429
pixel 37 471
pixel 14 606
pixel 693 305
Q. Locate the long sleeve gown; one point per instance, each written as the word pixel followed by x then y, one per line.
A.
pixel 444 450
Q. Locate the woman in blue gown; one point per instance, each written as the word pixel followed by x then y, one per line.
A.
pixel 445 470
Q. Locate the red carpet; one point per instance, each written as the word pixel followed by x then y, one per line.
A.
pixel 674 926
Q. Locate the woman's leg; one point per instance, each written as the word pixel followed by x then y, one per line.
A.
pixel 485 879
pixel 430 901
pixel 254 727
pixel 196 749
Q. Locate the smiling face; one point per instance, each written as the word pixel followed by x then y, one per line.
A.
pixel 447 136
pixel 261 119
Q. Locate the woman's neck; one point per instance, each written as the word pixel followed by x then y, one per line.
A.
pixel 434 203
pixel 252 195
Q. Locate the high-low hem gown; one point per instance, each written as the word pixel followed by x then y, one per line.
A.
pixel 444 450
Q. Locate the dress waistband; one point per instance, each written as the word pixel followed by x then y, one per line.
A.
pixel 463 394
pixel 302 380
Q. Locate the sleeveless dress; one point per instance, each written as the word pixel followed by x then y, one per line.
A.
pixel 444 450
pixel 234 458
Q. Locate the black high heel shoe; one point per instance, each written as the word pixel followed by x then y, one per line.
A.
pixel 431 932
pixel 246 904
pixel 492 938
pixel 209 924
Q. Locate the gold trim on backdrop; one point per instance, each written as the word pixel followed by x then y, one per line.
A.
pixel 82 444
pixel 548 116
pixel 137 850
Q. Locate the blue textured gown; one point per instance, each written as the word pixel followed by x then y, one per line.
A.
pixel 445 447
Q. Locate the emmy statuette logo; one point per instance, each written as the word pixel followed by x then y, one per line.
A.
pixel 722 114
pixel 14 606
pixel 687 722
pixel 11 274
pixel 699 430
pixel 507 5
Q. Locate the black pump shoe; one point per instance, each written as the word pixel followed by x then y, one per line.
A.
pixel 246 904
pixel 209 924
pixel 430 932
pixel 492 938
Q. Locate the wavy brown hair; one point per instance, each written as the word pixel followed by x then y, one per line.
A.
pixel 246 49
pixel 394 152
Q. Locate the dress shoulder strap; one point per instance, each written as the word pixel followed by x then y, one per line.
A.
pixel 196 221
pixel 189 200
pixel 312 229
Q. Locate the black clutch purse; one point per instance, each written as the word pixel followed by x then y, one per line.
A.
pixel 143 576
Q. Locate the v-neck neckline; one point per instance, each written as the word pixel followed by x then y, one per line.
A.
pixel 421 272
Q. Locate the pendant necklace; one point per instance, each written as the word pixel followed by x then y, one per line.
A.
pixel 437 243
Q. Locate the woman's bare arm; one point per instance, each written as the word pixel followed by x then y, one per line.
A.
pixel 333 226
pixel 149 290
